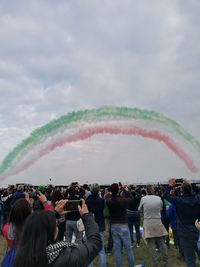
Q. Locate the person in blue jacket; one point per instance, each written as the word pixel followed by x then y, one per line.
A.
pixel 171 215
pixel 187 206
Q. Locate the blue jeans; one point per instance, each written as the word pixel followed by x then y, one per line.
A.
pixel 109 246
pixel 70 229
pixel 188 235
pixel 134 219
pixel 121 235
pixel 189 247
pixel 102 254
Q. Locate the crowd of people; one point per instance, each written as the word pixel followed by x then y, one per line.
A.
pixel 65 226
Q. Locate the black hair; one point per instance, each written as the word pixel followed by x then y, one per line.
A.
pixel 114 188
pixel 18 215
pixel 38 232
pixel 72 191
pixel 143 192
pixel 86 187
pixel 186 188
pixel 56 196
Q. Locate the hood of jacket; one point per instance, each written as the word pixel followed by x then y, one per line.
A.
pixel 190 199
pixel 54 250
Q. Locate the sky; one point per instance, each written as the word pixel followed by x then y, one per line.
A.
pixel 62 56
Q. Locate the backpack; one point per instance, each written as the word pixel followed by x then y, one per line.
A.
pixel 8 258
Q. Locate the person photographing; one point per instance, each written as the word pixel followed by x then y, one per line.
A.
pixel 37 246
pixel 187 205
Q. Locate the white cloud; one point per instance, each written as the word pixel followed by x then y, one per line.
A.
pixel 59 56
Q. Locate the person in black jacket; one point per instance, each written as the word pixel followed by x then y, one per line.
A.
pixel 188 210
pixel 96 205
pixel 119 227
pixel 38 247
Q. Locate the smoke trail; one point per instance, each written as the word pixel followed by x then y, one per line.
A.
pixel 90 117
pixel 114 130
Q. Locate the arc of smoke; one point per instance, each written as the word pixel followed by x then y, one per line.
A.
pixel 89 116
pixel 115 130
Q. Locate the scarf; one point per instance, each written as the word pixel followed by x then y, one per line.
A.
pixel 53 250
pixel 11 231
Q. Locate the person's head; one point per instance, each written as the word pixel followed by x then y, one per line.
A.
pixel 18 215
pixel 20 188
pixel 150 190
pixel 172 181
pixel 186 188
pixel 56 196
pixel 39 231
pixel 19 212
pixel 86 187
pixel 95 188
pixel 72 191
pixel 114 189
pixel 143 192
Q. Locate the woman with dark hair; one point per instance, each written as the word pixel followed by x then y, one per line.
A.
pixel 18 214
pixel 38 248
pixel 39 231
pixel 17 217
pixel 12 230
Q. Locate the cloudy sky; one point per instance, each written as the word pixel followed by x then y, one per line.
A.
pixel 65 55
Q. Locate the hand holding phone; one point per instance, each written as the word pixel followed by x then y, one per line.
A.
pixel 72 205
pixel 83 209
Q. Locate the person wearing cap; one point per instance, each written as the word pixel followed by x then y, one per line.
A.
pixel 96 205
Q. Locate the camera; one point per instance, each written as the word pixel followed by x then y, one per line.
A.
pixel 72 205
pixel 178 182
pixel 34 194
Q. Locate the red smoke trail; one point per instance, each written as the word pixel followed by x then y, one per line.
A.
pixel 114 130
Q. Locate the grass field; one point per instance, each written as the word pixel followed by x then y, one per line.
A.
pixel 141 255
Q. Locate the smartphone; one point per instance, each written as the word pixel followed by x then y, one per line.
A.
pixel 34 194
pixel 179 181
pixel 72 205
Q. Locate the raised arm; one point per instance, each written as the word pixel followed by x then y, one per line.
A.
pixel 169 197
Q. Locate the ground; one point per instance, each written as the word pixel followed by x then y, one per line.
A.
pixel 141 255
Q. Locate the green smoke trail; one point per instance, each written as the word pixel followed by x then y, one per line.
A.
pixel 85 115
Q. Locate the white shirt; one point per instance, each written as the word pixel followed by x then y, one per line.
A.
pixel 151 206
